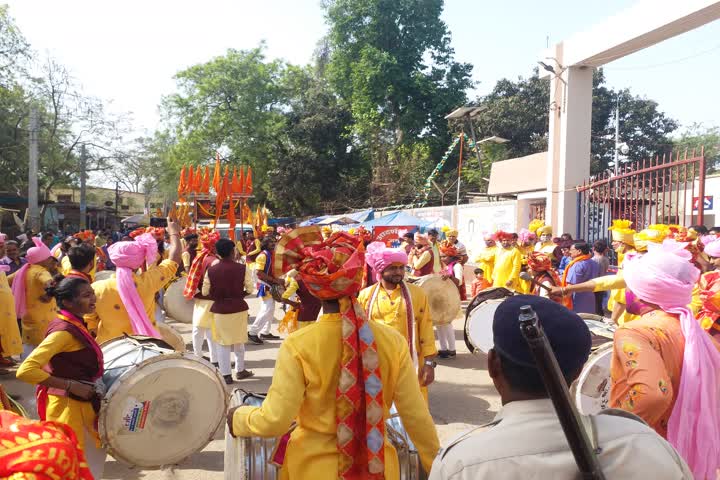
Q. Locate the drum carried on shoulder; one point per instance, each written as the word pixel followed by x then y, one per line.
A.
pixel 479 318
pixel 161 405
pixel 251 458
pixel 443 297
pixel 176 305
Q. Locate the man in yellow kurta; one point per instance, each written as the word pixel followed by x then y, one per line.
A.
pixel 486 259
pixel 111 318
pixel 545 243
pixel 433 237
pixel 313 382
pixel 387 302
pixel 10 340
pixel 32 304
pixel 508 262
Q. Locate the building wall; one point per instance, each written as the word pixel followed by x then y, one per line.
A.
pixel 131 203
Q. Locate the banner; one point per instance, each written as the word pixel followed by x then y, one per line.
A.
pixel 390 236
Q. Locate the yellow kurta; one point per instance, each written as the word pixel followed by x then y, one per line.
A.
pixel 259 266
pixel 79 415
pixel 111 319
pixel 486 261
pixel 437 264
pixel 507 267
pixel 10 339
pixel 229 328
pixel 39 313
pixel 524 285
pixel 305 380
pixel 547 248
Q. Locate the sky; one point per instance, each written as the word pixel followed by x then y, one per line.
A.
pixel 127 52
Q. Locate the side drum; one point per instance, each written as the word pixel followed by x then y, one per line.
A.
pixel 591 391
pixel 250 458
pixel 161 406
pixel 479 318
pixel 443 297
pixel 176 305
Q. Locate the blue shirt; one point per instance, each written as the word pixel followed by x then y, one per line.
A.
pixel 583 302
pixel 564 261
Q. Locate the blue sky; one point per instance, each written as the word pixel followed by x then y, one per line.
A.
pixel 128 51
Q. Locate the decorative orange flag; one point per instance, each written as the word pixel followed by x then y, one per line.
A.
pixel 217 180
pixel 197 184
pixel 181 183
pixel 241 181
pixel 222 195
pixel 206 181
pixel 190 180
pixel 231 218
pixel 234 182
pixel 248 181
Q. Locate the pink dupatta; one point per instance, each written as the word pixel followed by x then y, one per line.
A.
pixel 664 276
pixel 127 257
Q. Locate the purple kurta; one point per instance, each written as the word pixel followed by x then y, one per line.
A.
pixel 583 302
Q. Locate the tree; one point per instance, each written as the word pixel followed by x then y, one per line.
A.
pixel 139 169
pixel 391 63
pixel 698 137
pixel 232 103
pixel 14 49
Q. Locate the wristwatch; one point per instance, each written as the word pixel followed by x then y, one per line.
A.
pixel 431 363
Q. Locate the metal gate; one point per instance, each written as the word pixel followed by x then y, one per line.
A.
pixel 667 189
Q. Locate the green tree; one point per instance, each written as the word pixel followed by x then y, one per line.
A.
pixel 391 63
pixel 698 137
pixel 232 103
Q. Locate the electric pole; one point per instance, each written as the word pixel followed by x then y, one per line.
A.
pixel 33 210
pixel 83 202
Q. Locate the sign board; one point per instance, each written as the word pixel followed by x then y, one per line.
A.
pixel 390 236
pixel 707 204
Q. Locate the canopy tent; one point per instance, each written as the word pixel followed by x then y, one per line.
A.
pixel 313 221
pixel 396 219
pixel 342 219
pixel 362 216
pixel 139 219
pixel 337 220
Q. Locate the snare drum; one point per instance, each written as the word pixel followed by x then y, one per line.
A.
pixel 443 297
pixel 479 318
pixel 176 305
pixel 249 458
pixel 591 391
pixel 161 406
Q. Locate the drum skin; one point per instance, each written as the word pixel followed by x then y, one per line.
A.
pixel 104 275
pixel 443 297
pixel 173 338
pixel 161 406
pixel 591 391
pixel 178 307
pixel 492 293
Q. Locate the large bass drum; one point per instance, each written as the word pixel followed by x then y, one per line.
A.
pixel 251 458
pixel 479 318
pixel 443 297
pixel 171 337
pixel 160 405
pixel 591 391
pixel 176 305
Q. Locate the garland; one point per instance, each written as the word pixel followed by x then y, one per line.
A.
pixel 427 187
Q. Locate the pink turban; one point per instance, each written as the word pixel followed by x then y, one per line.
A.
pixel 129 256
pixel 39 253
pixel 379 257
pixel 713 248
pixel 665 276
pixel 526 235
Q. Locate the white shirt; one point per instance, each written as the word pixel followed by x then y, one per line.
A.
pixel 529 443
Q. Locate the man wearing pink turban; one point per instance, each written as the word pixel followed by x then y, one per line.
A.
pixel 665 368
pixel 126 301
pixel 402 306
pixel 32 305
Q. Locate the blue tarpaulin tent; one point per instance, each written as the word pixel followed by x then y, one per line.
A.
pixel 396 219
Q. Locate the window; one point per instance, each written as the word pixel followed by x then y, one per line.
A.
pixel 64 198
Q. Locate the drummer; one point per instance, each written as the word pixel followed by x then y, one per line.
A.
pixel 543 274
pixel 665 369
pixel 402 306
pixel 66 365
pixel 340 418
pixel 526 439
pixel 452 238
pixel 451 259
pixel 126 301
pixel 421 259
pixel 190 251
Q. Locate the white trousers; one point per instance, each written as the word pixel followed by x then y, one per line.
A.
pixel 94 455
pixel 446 336
pixel 223 353
pixel 264 318
pixel 198 335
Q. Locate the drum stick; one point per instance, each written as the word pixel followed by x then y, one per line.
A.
pixel 556 386
pixel 529 278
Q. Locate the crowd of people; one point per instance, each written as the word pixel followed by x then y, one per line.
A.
pixel 359 339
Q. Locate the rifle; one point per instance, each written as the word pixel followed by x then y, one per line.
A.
pixel 554 381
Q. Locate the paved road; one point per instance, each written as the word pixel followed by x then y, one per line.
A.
pixel 461 397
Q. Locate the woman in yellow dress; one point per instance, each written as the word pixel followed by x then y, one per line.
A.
pixel 67 365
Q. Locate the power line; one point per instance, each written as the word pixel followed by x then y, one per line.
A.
pixel 669 62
